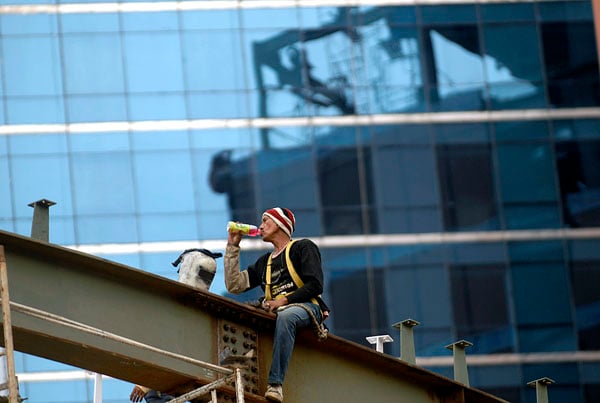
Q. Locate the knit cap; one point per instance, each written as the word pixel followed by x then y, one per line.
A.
pixel 283 217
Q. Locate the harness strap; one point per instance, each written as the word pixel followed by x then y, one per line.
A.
pixel 293 273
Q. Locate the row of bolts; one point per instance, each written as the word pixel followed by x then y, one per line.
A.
pixel 407 354
pixel 40 229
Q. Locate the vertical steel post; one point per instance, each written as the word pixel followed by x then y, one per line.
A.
pixel 541 389
pixel 407 341
pixel 239 386
pixel 97 388
pixel 379 340
pixel 40 226
pixel 13 385
pixel 461 374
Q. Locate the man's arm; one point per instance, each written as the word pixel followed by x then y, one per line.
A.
pixel 236 281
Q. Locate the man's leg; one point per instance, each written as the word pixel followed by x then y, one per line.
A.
pixel 288 321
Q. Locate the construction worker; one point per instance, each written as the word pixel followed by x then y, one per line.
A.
pixel 292 279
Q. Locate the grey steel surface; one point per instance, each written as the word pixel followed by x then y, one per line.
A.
pixel 177 318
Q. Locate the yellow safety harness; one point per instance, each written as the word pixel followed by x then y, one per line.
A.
pixel 320 328
pixel 293 273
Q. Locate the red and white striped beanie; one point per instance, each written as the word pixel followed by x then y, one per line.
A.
pixel 283 217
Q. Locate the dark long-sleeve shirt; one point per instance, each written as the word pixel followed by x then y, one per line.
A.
pixel 306 258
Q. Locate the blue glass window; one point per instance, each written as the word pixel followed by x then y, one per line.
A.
pixel 296 189
pixel 93 64
pixel 507 12
pixel 349 282
pixel 153 62
pixel 514 73
pixel 15 24
pixel 163 182
pixel 97 108
pixel 98 229
pixel 52 144
pixel 36 177
pixel 147 21
pixel 578 129
pixel 218 105
pixel 210 19
pixel 467 186
pixel 41 56
pixel 171 227
pixel 571 63
pixel 89 22
pixel 241 139
pixel 409 198
pixel 5 207
pixel 157 107
pixel 212 60
pixel 99 142
pixel 480 306
pixel 47 110
pixel 540 302
pixel 424 297
pixel 451 14
pixel 530 202
pixel 579 181
pixel 269 18
pixel 103 184
pixel 344 196
pixel 585 273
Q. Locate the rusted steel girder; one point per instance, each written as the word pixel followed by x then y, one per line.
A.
pixel 105 304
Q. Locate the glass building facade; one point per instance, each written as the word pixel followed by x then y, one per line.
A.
pixel 444 155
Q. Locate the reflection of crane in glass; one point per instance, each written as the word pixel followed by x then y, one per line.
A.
pixel 314 91
pixel 286 56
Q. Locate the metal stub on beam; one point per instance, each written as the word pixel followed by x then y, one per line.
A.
pixel 541 388
pixel 42 203
pixel 407 343
pixel 237 346
pixel 461 373
pixel 460 344
pixel 406 322
pixel 543 381
pixel 40 226
pixel 379 340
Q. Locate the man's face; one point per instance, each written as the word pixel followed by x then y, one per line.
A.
pixel 268 228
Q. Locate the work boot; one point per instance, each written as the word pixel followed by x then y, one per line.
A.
pixel 274 393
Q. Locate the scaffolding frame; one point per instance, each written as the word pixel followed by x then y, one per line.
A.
pixel 11 384
pixel 231 375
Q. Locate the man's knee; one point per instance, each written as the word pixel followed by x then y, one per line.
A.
pixel 293 315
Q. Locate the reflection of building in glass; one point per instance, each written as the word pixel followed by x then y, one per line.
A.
pixel 445 155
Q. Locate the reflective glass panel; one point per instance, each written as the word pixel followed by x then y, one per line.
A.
pixel 571 63
pixel 41 55
pixel 89 22
pixel 103 183
pixel 153 62
pixel 93 64
pixel 579 181
pixel 212 60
